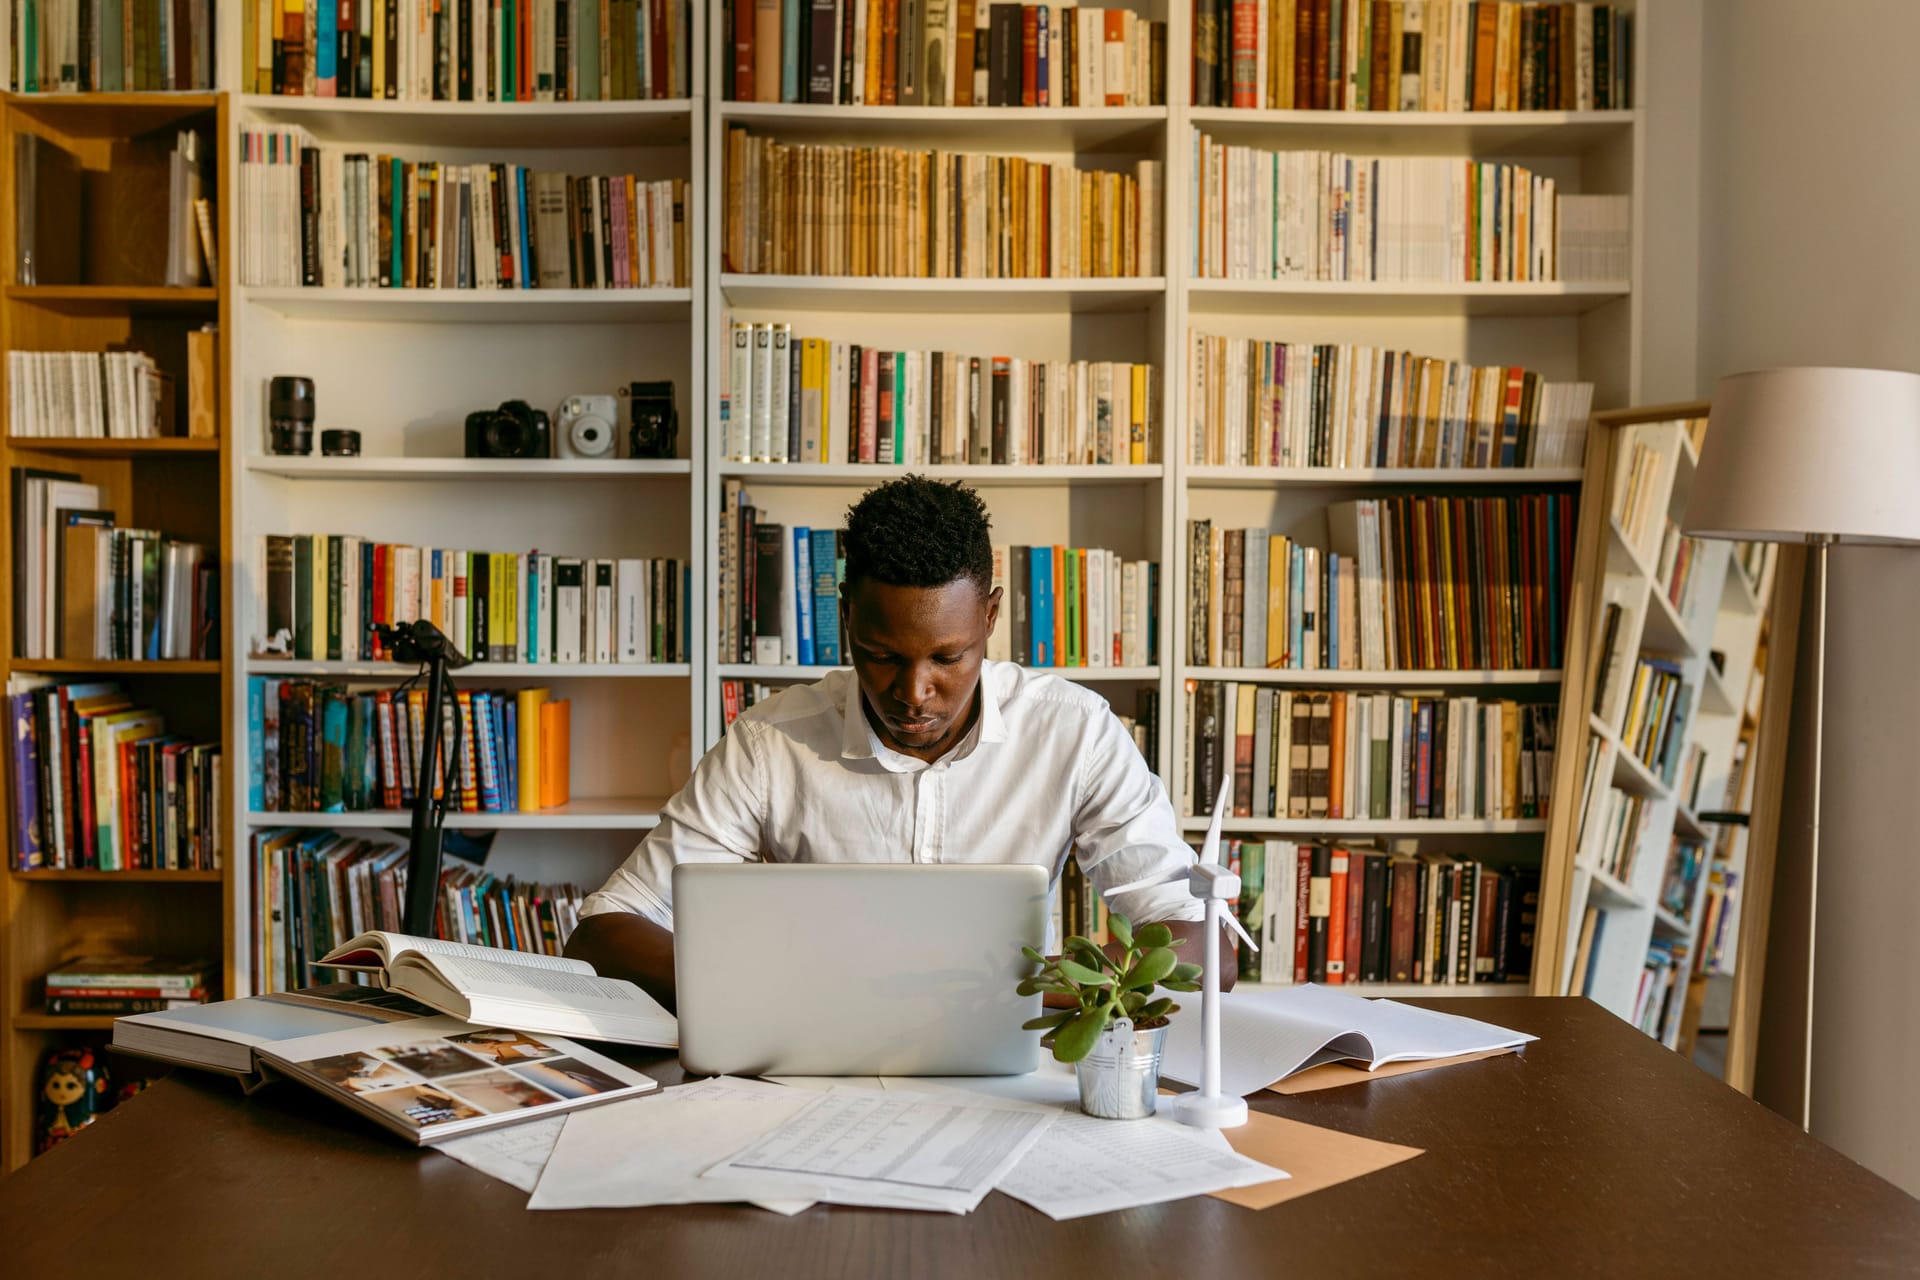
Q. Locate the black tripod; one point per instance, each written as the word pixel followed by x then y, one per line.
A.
pixel 420 641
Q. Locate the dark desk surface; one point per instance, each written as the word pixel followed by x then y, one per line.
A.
pixel 1595 1152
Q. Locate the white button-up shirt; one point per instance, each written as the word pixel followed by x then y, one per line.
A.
pixel 802 777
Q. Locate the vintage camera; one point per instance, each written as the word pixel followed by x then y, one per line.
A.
pixel 586 427
pixel 654 430
pixel 515 430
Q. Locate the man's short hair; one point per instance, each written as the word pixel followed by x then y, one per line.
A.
pixel 916 532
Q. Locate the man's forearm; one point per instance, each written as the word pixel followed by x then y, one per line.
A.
pixel 619 945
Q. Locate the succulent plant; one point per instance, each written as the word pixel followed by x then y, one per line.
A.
pixel 1104 987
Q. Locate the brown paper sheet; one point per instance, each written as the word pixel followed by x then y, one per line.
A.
pixel 1317 1158
pixel 1332 1075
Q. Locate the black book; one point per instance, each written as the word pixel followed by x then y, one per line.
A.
pixel 309 216
pixel 1153 613
pixel 1465 948
pixel 747 580
pixel 1146 710
pixel 1319 892
pixel 1520 918
pixel 854 408
pixel 1608 632
pixel 1018 567
pixel 366 602
pixel 1373 919
pixel 1002 387
pixel 479 592
pixel 1206 52
pixel 848 19
pixel 302 595
pixel 463 30
pixel 981 440
pixel 606 232
pixel 793 399
pixel 1502 937
pixel 767 574
pixel 1003 65
pixel 391 36
pixel 1419 960
pixel 820 68
pixel 334 548
pixel 1206 745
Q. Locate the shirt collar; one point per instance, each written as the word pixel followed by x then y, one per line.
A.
pixel 858 741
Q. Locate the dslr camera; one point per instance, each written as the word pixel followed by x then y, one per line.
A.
pixel 515 430
pixel 654 429
pixel 586 427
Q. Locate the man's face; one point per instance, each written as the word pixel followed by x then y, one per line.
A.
pixel 916 652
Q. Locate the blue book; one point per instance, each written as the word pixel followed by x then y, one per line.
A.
pixel 803 592
pixel 526 235
pixel 826 600
pixel 1333 610
pixel 1040 562
pixel 1041 61
pixel 510 752
pixel 790 50
pixel 326 20
pixel 26 782
pixel 333 748
pixel 256 759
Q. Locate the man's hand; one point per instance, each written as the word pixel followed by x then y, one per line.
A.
pixel 1189 938
pixel 633 947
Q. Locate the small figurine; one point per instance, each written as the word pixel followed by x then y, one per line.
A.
pixel 74 1090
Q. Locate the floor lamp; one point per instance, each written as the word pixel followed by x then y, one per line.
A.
pixel 1820 457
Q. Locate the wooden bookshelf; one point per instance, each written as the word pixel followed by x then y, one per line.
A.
pixel 174 484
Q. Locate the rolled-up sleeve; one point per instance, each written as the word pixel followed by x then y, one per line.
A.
pixel 1125 831
pixel 717 817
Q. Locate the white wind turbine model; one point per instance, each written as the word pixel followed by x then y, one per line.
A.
pixel 1210 881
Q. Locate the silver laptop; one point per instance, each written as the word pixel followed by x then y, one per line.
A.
pixel 856 969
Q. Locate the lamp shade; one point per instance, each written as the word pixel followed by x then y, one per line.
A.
pixel 1793 452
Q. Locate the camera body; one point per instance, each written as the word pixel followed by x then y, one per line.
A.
pixel 515 430
pixel 654 426
pixel 586 429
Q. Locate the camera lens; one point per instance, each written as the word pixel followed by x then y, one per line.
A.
pixel 505 438
pixel 290 415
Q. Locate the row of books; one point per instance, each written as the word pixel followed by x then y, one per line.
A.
pixel 1639 471
pixel 803 209
pixel 1412 55
pixel 1619 825
pixel 1686 863
pixel 1655 725
pixel 100 784
pixel 1720 919
pixel 779 587
pixel 83 588
pixel 329 218
pixel 325 592
pixel 1407 583
pixel 99 395
pixel 1346 755
pixel 324 748
pixel 1679 556
pixel 122 984
pixel 1075 607
pixel 109 46
pixel 315 889
pixel 1326 216
pixel 823 400
pixel 1299 404
pixel 942 53
pixel 1661 994
pixel 1339 915
pixel 467 50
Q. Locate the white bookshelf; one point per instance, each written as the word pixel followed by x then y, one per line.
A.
pixel 404 367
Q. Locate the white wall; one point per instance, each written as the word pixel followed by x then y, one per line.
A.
pixel 1810 254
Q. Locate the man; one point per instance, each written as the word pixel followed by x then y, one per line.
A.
pixel 925 752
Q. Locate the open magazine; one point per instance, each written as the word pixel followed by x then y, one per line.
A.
pixel 1266 1036
pixel 547 994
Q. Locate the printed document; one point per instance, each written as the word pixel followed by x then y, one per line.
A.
pixel 1084 1166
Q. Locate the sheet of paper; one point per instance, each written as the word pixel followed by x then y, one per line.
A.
pixel 1317 1158
pixel 655 1152
pixel 1084 1166
pixel 1332 1075
pixel 820 1084
pixel 923 1150
pixel 1268 1035
pixel 515 1154
pixel 1051 1084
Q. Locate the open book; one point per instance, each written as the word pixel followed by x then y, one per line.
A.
pixel 227 1035
pixel 515 989
pixel 1269 1035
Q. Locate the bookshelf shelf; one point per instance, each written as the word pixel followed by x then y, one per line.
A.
pixel 1408 477
pixel 1714 698
pixel 546 125
pixel 1404 990
pixel 1687 824
pixel 75 447
pixel 478 306
pixel 1372 679
pixel 913 295
pixel 1629 772
pixel 1477 133
pixel 778 671
pixel 529 671
pixel 1665 919
pixel 124 667
pixel 1622 556
pixel 1401 298
pixel 1090 129
pixel 43 1021
pixel 1665 632
pixel 1336 828
pixel 1612 892
pixel 139 299
pixel 72 876
pixel 767 474
pixel 365 468
pixel 106 115
pixel 611 813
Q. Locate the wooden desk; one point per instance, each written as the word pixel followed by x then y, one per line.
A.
pixel 1597 1151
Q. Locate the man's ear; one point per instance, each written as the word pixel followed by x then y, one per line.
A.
pixel 993 607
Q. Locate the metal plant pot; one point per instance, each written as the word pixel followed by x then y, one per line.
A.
pixel 1120 1079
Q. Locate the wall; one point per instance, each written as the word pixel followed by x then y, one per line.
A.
pixel 1809 196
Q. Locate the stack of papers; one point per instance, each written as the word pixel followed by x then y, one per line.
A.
pixel 1269 1035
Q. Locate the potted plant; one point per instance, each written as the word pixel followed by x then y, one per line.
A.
pixel 1114 1033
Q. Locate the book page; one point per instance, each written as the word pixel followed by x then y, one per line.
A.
pixel 598 1000
pixel 379 948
